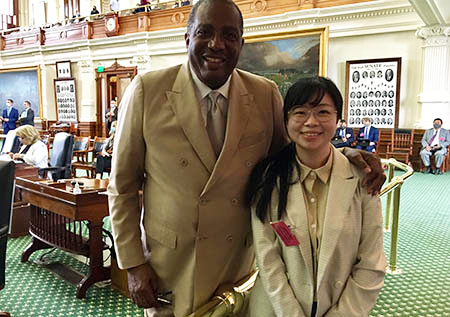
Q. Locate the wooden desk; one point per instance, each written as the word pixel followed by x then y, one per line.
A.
pixel 20 218
pixel 55 222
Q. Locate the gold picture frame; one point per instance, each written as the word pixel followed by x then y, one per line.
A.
pixel 287 56
pixel 20 84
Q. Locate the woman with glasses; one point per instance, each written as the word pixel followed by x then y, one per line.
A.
pixel 33 150
pixel 317 232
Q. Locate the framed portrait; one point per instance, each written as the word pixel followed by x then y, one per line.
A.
pixel 63 69
pixel 286 57
pixel 372 90
pixel 66 100
pixel 22 84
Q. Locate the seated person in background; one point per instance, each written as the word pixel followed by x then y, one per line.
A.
pixel 367 136
pixel 435 141
pixel 94 10
pixel 140 4
pixel 33 150
pixel 104 159
pixel 343 135
pixel 27 115
pixel 185 3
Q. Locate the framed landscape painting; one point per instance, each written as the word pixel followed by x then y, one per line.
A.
pixel 286 57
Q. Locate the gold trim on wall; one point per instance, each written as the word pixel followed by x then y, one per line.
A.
pixel 323 51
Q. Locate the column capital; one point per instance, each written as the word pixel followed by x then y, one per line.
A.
pixel 435 34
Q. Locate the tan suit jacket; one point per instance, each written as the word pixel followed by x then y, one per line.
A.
pixel 351 263
pixel 196 226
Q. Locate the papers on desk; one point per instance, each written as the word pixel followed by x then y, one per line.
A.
pixel 5 157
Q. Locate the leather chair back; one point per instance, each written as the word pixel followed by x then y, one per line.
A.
pixel 11 143
pixel 6 199
pixel 62 153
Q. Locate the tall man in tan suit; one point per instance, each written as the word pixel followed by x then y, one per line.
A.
pixel 193 174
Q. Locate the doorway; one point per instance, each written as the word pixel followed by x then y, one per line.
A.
pixel 111 84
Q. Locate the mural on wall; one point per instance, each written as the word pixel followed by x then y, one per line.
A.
pixel 21 84
pixel 286 57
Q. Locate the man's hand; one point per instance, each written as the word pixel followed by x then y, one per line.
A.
pixel 142 285
pixel 428 148
pixel 344 139
pixel 371 166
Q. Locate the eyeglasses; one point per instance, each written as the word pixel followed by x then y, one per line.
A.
pixel 301 114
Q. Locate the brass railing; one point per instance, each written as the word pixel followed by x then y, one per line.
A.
pixel 393 186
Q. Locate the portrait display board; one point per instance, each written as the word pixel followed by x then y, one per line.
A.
pixel 373 91
pixel 63 69
pixel 66 100
pixel 286 57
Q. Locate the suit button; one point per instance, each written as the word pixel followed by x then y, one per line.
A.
pixel 184 162
pixel 203 201
pixel 338 284
pixel 229 238
pixel 234 201
pixel 248 163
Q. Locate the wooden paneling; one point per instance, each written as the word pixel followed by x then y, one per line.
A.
pixel 18 39
pixel 87 128
pixel 152 21
pixel 70 32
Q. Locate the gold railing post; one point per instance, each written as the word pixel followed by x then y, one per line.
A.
pixel 392 267
pixel 388 201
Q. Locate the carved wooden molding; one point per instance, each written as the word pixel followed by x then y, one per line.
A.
pixel 177 18
pixel 258 5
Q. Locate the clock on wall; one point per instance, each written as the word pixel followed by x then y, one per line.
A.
pixel 111 24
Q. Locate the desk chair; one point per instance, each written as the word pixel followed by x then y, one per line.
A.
pixel 80 151
pixel 401 146
pixel 11 143
pixel 85 163
pixel 6 200
pixel 61 158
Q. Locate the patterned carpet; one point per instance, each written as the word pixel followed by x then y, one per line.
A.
pixel 423 254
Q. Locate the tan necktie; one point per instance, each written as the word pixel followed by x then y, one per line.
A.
pixel 215 121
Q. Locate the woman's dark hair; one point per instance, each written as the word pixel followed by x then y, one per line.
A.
pixel 279 168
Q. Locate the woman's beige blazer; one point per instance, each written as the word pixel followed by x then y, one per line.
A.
pixel 351 264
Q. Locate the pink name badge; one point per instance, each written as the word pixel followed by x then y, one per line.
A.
pixel 284 233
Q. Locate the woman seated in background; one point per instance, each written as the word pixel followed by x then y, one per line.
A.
pixel 33 151
pixel 317 232
pixel 104 159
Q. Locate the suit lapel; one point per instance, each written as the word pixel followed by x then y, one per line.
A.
pixel 296 203
pixel 185 105
pixel 340 195
pixel 240 102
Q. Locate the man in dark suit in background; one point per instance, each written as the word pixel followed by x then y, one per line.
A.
pixel 27 115
pixel 343 136
pixel 9 117
pixel 367 136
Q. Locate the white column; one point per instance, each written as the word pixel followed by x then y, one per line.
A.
pixel 435 96
pixel 24 13
pixel 86 91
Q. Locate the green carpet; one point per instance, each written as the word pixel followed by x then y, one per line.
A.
pixel 423 251
pixel 33 291
pixel 423 254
